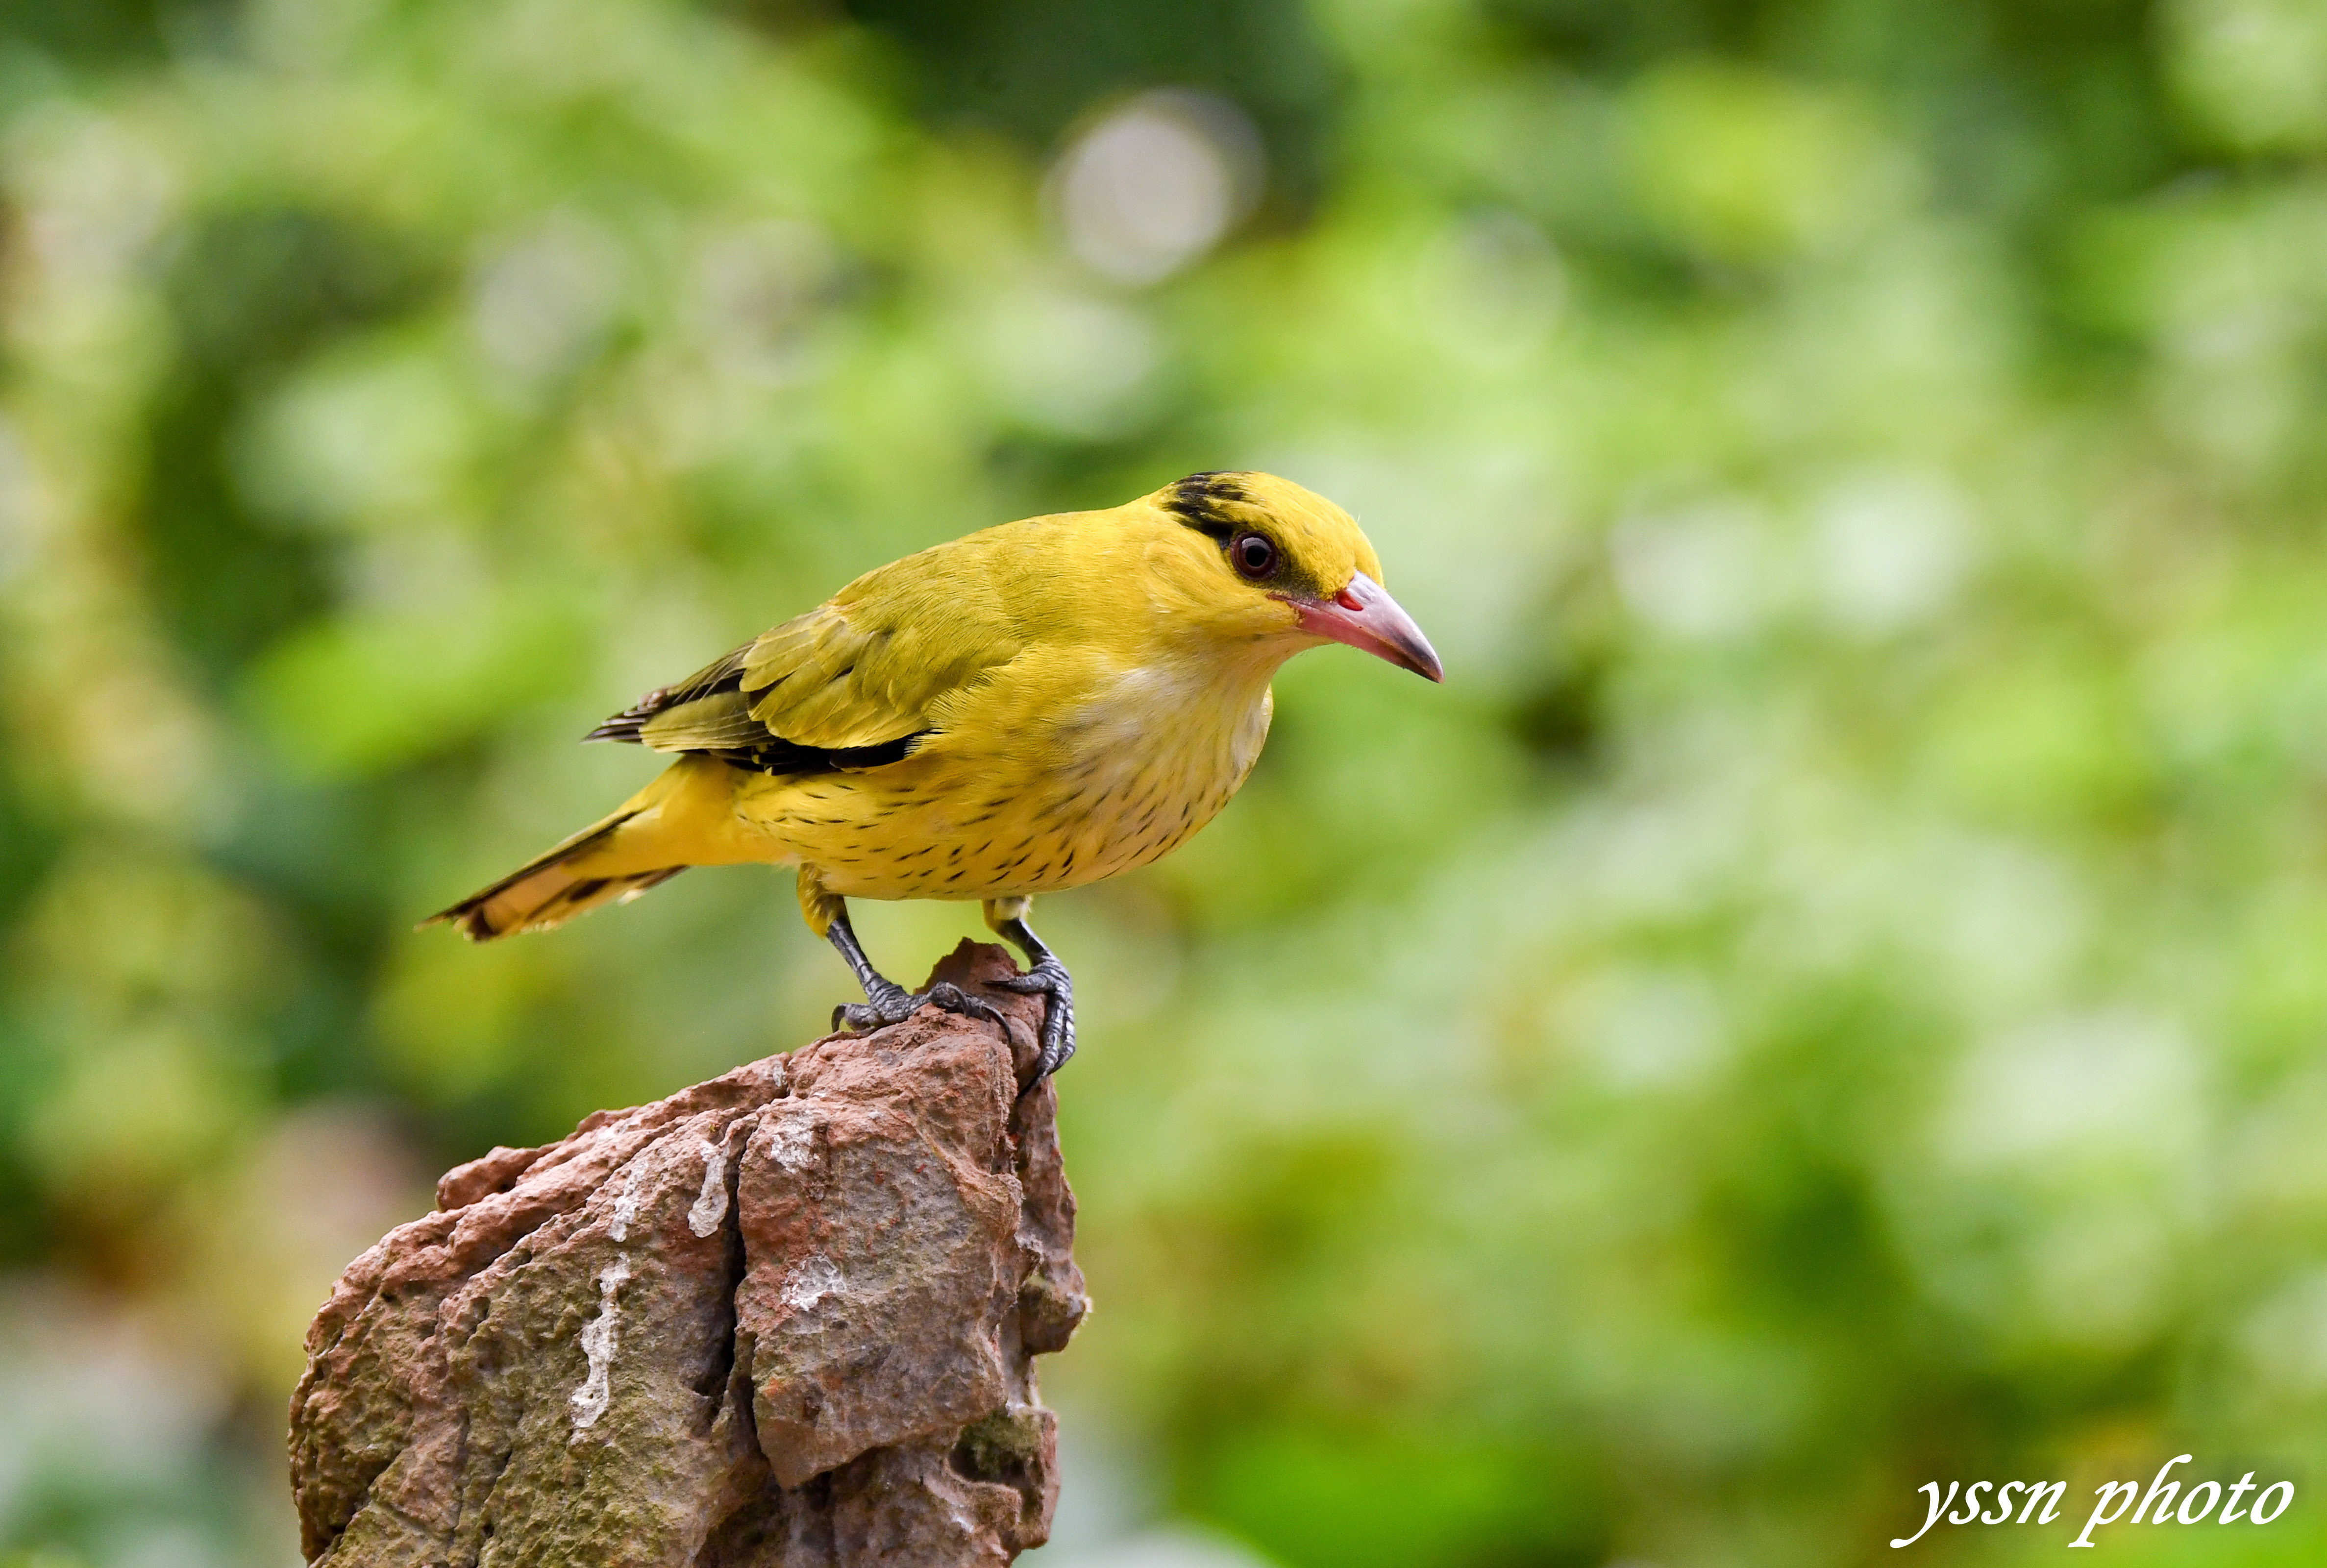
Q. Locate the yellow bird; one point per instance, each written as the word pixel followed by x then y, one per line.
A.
pixel 1031 708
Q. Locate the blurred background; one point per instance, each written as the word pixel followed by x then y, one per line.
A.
pixel 1828 996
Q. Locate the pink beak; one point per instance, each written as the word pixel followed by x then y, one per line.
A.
pixel 1365 616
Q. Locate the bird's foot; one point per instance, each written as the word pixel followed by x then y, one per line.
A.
pixel 1049 980
pixel 889 1003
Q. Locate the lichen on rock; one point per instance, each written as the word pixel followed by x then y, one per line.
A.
pixel 786 1317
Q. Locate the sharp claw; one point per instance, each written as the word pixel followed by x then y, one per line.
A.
pixel 855 1018
pixel 1055 1037
pixel 954 999
pixel 876 1014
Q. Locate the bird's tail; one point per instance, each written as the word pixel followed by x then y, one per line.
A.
pixel 551 889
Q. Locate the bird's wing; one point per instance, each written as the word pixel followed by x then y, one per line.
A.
pixel 681 712
pixel 856 675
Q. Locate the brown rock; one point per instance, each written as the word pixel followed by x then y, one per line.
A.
pixel 782 1319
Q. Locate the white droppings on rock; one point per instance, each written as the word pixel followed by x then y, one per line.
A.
pixel 598 1344
pixel 626 1205
pixel 711 1203
pixel 792 1141
pixel 816 1278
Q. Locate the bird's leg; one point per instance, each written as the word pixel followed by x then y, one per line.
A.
pixel 886 1002
pixel 1047 979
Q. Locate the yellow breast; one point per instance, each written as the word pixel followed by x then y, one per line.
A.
pixel 1057 771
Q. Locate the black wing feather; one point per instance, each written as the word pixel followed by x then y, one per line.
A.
pixel 776 755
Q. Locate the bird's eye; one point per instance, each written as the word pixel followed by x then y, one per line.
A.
pixel 1252 555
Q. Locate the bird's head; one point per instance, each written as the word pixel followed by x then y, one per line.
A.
pixel 1286 568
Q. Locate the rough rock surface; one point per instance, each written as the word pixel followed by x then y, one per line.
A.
pixel 782 1319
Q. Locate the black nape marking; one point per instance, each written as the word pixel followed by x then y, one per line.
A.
pixel 1200 501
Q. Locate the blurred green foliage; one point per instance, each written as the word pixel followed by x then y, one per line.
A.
pixel 1828 996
